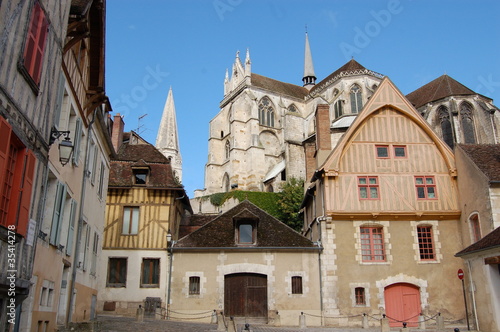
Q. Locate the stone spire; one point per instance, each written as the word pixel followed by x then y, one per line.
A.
pixel 167 141
pixel 309 78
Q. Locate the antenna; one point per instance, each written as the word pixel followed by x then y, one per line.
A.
pixel 139 125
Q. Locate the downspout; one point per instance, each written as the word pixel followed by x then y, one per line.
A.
pixel 472 288
pixel 171 255
pixel 320 243
pixel 80 221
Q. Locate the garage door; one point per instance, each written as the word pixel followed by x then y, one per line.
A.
pixel 245 295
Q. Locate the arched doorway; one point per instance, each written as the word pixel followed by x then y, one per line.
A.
pixel 245 295
pixel 402 304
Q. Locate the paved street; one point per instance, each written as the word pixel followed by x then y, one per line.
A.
pixel 119 324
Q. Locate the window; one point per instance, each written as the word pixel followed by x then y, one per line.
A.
pixel 338 108
pixel 78 140
pixel 100 188
pixel 95 251
pixel 467 123
pixel 117 272
pixel 382 151
pixel 71 230
pixel 17 169
pixel 57 214
pixel 425 243
pixel 359 294
pixel 150 272
pixel 35 43
pixel 356 102
pixel 475 227
pixel 245 232
pixel 296 285
pixel 368 187
pixel 426 187
pixel 399 151
pixel 194 285
pixel 292 109
pixel 372 244
pixel 130 220
pixel 446 129
pixel 228 149
pixel 141 176
pixel 266 112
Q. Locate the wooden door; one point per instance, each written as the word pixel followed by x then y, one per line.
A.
pixel 402 304
pixel 245 295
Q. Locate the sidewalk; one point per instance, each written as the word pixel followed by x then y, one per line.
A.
pixel 120 324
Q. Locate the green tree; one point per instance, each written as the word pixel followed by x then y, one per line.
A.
pixel 289 201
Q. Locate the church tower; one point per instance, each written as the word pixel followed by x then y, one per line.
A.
pixel 167 140
pixel 309 78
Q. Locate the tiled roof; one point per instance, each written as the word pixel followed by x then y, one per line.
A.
pixel 352 67
pixel 442 87
pixel 490 241
pixel 288 89
pixel 486 157
pixel 220 232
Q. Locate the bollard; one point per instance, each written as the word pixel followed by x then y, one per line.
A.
pixel 421 321
pixel 365 321
pixel 220 322
pixel 214 317
pixel 158 313
pixel 232 325
pixel 139 315
pixel 384 324
pixel 440 322
pixel 277 319
pixel 302 321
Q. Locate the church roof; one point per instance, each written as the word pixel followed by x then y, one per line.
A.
pixel 490 241
pixel 486 157
pixel 352 67
pixel 220 232
pixel 442 87
pixel 287 89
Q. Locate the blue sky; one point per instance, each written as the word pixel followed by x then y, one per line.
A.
pixel 153 45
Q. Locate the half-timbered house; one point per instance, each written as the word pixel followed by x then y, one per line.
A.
pixel 384 204
pixel 145 204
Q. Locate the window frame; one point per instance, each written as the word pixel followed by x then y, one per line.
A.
pixel 368 186
pixel 382 146
pixel 371 243
pixel 154 272
pixel 399 146
pixel 122 268
pixel 143 171
pixel 245 222
pixel 297 285
pixel 475 227
pixel 132 230
pixel 359 296
pixel 194 286
pixel 426 247
pixel 426 187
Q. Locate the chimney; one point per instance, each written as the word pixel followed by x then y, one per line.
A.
pixel 323 137
pixel 117 131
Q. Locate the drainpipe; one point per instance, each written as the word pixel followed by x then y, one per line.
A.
pixel 472 288
pixel 318 221
pixel 80 220
pixel 170 249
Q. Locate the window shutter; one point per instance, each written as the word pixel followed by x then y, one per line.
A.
pixel 25 195
pixel 57 215
pixel 5 133
pixel 71 230
pixel 78 137
pixel 35 43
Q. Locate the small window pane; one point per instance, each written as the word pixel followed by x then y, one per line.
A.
pixel 194 285
pixel 373 180
pixel 362 180
pixel 399 152
pixel 429 180
pixel 382 152
pixel 363 192
pixel 421 192
pixel 245 231
pixel 419 180
pixel 431 193
pixel 373 193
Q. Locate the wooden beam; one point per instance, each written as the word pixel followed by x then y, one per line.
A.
pixel 492 260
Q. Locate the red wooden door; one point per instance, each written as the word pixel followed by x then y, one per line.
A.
pixel 245 295
pixel 402 304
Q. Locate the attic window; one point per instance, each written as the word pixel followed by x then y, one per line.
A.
pixel 246 232
pixel 141 176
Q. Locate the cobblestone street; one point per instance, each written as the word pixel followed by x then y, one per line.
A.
pixel 119 324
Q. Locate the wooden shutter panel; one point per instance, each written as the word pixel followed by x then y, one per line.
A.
pixel 35 43
pixel 25 196
pixel 55 229
pixel 5 133
pixel 72 217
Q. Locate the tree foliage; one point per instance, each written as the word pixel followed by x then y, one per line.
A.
pixel 289 201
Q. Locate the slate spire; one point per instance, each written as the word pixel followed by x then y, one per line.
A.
pixel 309 78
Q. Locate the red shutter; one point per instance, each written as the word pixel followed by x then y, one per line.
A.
pixel 5 132
pixel 25 197
pixel 35 43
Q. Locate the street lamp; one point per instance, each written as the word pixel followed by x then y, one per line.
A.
pixel 65 146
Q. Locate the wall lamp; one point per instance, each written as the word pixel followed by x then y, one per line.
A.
pixel 65 146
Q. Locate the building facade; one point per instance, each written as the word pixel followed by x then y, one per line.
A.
pixel 145 204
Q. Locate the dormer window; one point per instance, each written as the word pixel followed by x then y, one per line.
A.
pixel 246 232
pixel 141 176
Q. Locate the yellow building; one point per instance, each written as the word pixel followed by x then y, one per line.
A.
pixel 145 203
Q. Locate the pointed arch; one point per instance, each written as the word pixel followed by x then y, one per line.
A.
pixel 467 122
pixel 266 112
pixel 227 149
pixel 355 93
pixel 446 129
pixel 338 108
pixel 293 109
pixel 225 182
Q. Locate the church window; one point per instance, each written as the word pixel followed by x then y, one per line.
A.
pixel 228 149
pixel 292 109
pixel 446 130
pixel 467 123
pixel 338 108
pixel 225 182
pixel 266 112
pixel 130 220
pixel 475 227
pixel 356 102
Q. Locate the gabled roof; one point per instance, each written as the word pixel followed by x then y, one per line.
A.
pixel 442 87
pixel 220 232
pixel 270 84
pixel 486 157
pixel 352 67
pixel 490 241
pixel 386 94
